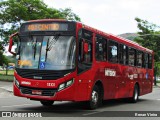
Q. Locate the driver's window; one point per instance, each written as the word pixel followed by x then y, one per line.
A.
pixel 85 53
pixel 85 57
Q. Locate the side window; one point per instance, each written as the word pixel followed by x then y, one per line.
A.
pixel 101 44
pixel 145 60
pixel 150 62
pixel 131 56
pixel 139 58
pixel 113 52
pixel 85 50
pixel 123 51
pixel 85 56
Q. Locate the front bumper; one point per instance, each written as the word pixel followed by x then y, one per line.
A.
pixel 47 94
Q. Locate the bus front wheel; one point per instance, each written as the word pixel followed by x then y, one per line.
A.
pixel 47 103
pixel 94 98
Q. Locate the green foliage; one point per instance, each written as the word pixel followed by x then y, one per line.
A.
pixel 14 12
pixel 3 59
pixel 11 59
pixel 149 37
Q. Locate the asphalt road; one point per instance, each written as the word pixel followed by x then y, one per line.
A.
pixel 114 109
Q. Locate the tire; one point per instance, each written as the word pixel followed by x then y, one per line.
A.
pixel 135 96
pixel 47 103
pixel 95 98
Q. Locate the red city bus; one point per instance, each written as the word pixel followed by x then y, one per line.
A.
pixel 59 60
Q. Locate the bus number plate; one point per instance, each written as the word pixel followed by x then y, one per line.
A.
pixel 36 92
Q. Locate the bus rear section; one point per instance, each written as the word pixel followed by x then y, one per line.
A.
pixel 60 60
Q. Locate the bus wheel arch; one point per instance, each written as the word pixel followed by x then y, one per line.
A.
pixel 96 95
pixel 101 88
pixel 138 87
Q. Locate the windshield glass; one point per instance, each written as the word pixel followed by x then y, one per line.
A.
pixel 47 52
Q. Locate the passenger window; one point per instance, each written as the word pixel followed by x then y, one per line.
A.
pixel 139 58
pixel 123 50
pixel 101 44
pixel 150 62
pixel 131 56
pixel 113 52
pixel 145 60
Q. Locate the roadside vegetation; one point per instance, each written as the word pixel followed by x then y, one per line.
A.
pixel 8 77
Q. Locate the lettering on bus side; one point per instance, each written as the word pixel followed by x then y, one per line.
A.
pixel 110 72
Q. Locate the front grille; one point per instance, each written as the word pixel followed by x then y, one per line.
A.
pixel 45 92
pixel 42 74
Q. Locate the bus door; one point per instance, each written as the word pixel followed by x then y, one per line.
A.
pixel 84 62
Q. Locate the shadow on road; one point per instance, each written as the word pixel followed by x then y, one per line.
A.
pixel 73 107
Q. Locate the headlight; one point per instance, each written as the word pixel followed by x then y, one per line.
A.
pixel 61 87
pixel 69 83
pixel 65 85
pixel 16 82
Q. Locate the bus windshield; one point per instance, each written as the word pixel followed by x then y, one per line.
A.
pixel 47 52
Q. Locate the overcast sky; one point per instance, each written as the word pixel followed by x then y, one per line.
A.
pixel 112 16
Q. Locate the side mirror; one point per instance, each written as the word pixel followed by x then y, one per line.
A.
pixel 85 47
pixel 11 43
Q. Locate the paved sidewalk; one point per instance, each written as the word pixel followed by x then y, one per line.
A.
pixel 8 86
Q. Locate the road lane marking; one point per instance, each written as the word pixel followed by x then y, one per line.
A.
pixel 92 113
pixel 17 105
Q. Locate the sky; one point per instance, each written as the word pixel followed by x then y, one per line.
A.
pixel 112 16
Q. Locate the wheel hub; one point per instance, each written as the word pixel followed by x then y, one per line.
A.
pixel 94 97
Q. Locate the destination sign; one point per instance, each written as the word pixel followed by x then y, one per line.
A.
pixel 45 27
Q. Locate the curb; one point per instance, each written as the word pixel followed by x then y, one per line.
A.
pixel 6 80
pixel 8 90
pixel 157 86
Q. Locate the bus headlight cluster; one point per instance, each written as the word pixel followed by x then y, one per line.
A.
pixel 65 85
pixel 16 82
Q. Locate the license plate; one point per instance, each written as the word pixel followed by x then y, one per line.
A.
pixel 36 92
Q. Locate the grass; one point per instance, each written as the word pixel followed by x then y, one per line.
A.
pixel 158 81
pixel 10 72
pixel 8 77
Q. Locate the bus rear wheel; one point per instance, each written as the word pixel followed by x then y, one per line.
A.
pixel 135 96
pixel 47 103
pixel 94 98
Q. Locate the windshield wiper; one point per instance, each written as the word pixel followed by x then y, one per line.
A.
pixel 52 42
pixel 35 49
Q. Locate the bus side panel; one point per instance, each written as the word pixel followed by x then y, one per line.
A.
pixel 84 86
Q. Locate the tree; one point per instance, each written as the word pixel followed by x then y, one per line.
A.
pixel 3 59
pixel 15 12
pixel 150 38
